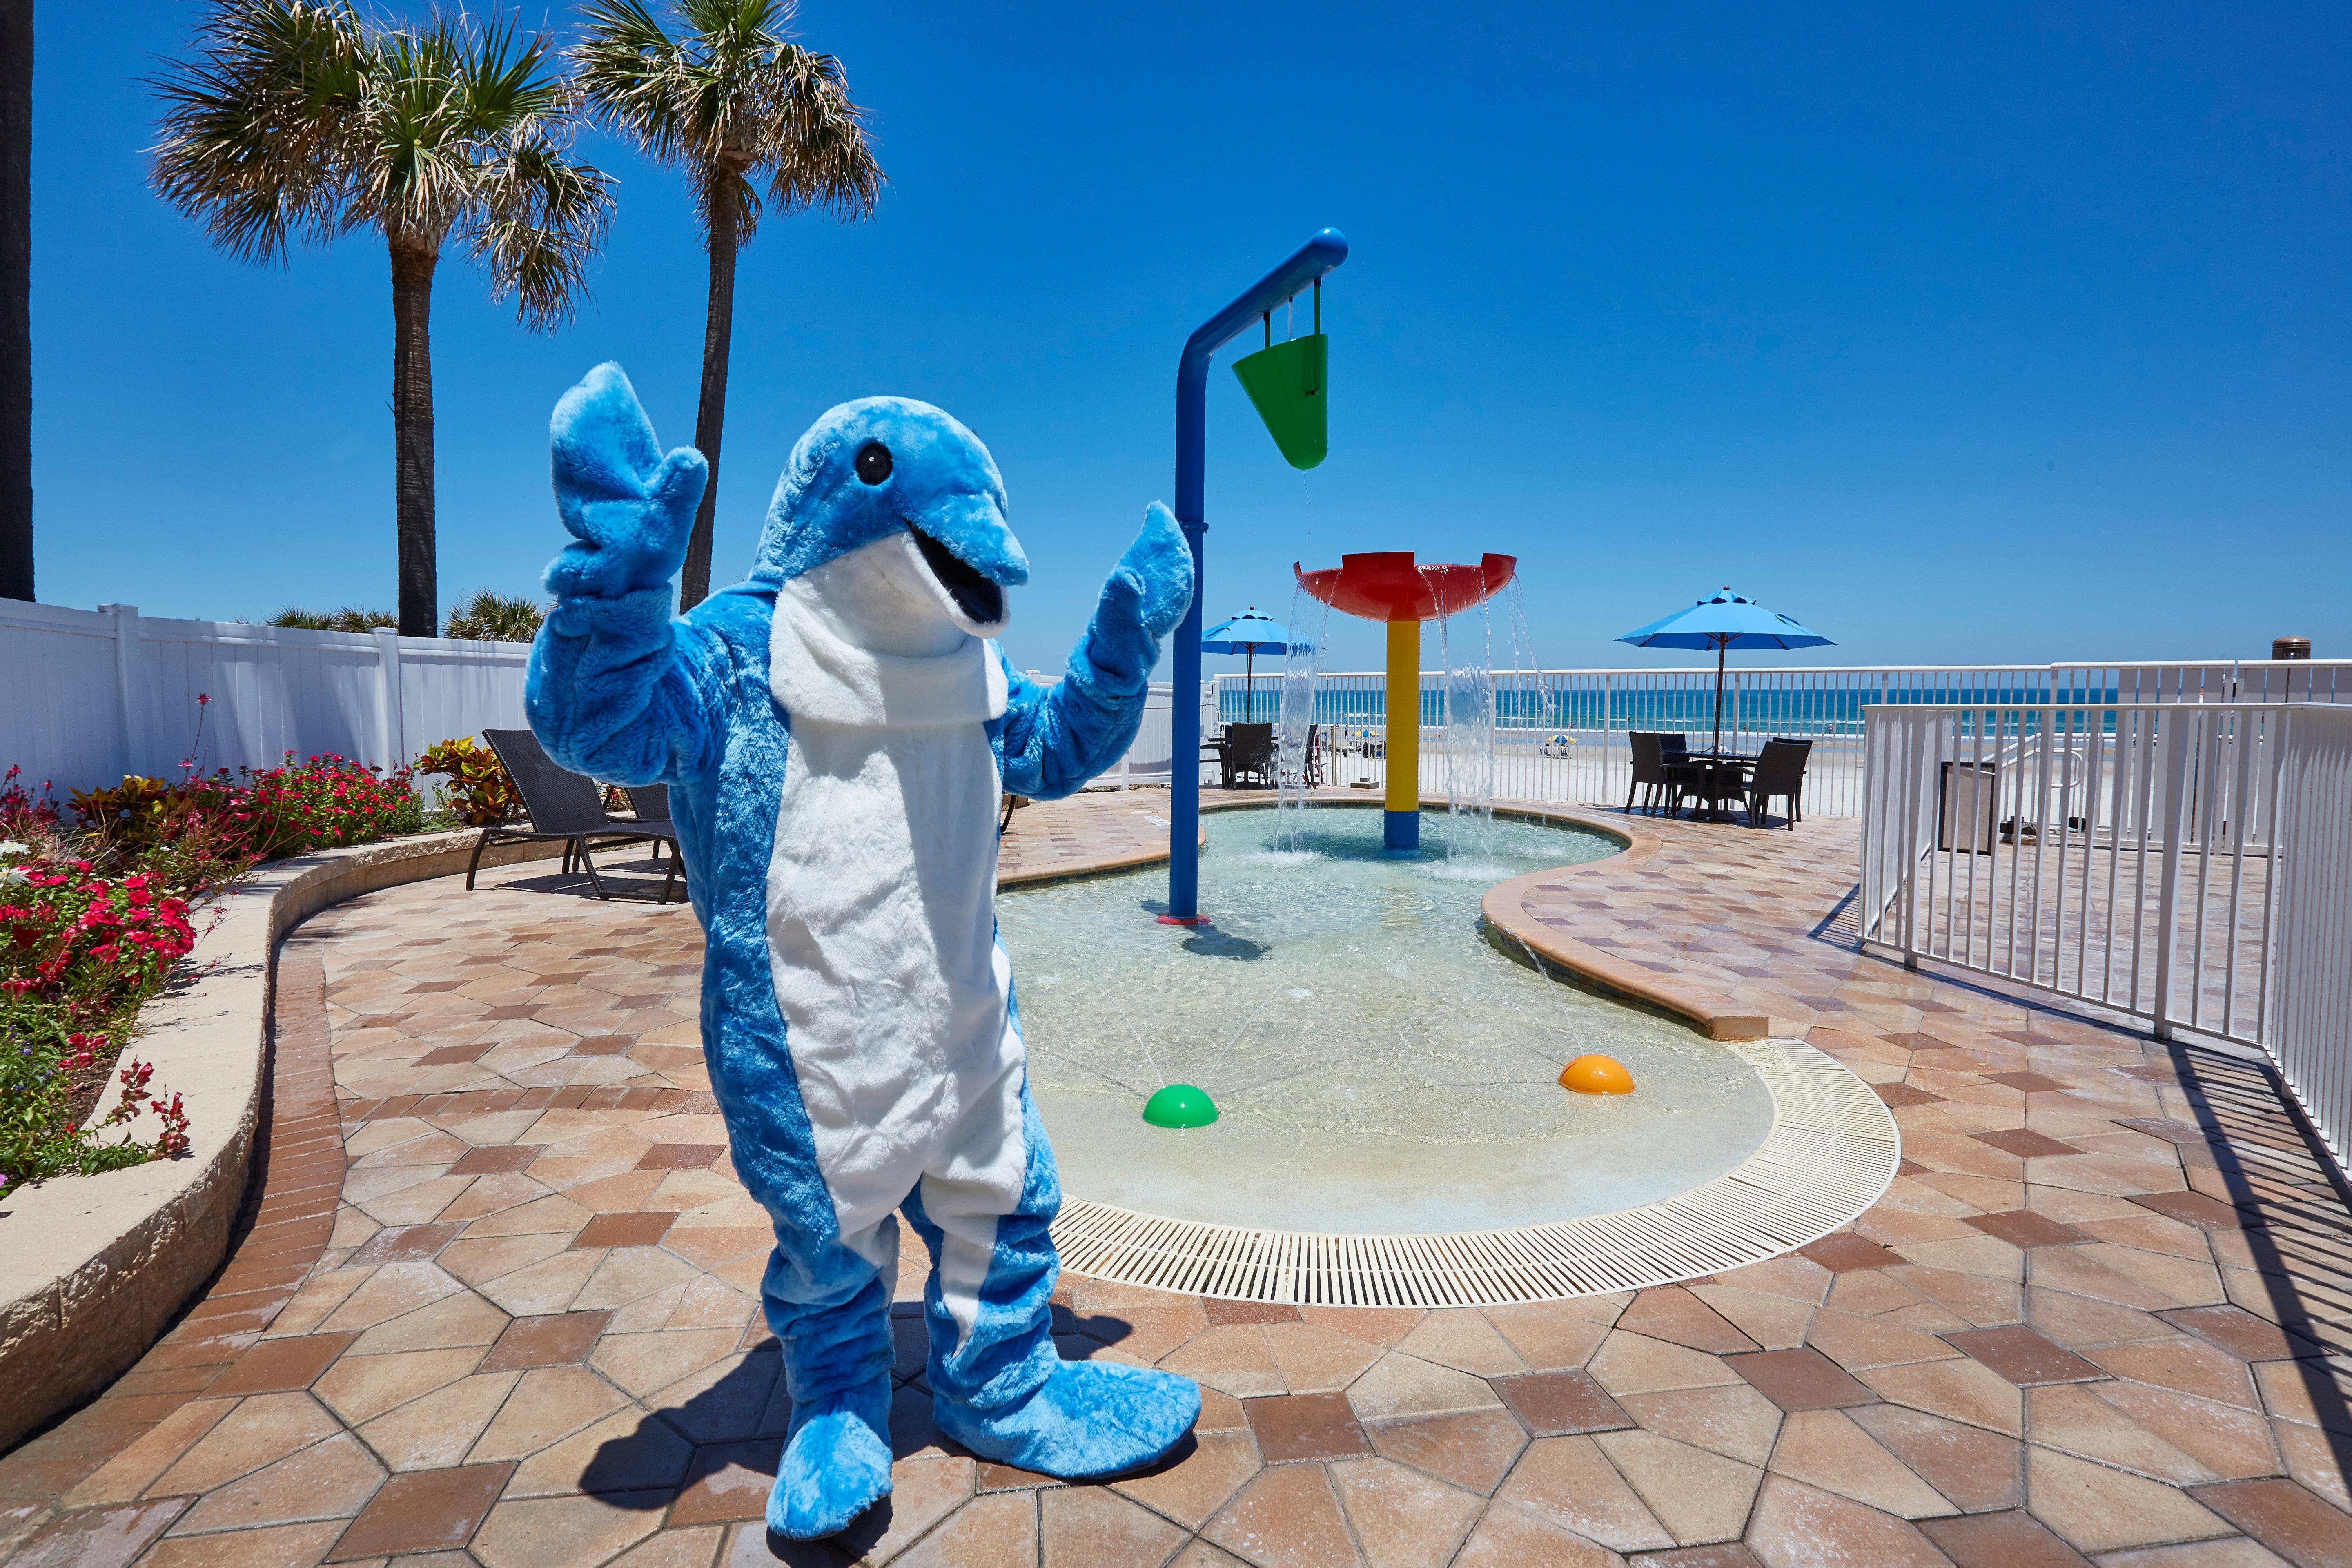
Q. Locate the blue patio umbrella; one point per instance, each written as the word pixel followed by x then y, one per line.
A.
pixel 1722 622
pixel 1249 634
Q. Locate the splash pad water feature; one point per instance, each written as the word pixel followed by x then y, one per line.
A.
pixel 1390 587
pixel 1392 1129
pixel 1373 1058
pixel 1397 1127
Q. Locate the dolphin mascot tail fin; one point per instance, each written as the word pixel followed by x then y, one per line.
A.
pixel 835 731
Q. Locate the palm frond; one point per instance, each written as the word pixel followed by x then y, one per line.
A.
pixel 731 101
pixel 296 121
pixel 252 142
pixel 495 618
pixel 542 217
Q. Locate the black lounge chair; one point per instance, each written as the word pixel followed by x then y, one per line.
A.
pixel 566 806
pixel 1779 772
pixel 650 803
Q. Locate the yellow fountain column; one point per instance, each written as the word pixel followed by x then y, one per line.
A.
pixel 1401 826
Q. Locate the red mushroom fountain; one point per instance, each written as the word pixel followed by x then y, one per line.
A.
pixel 1386 585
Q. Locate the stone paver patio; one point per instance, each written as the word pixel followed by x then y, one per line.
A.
pixel 495 1301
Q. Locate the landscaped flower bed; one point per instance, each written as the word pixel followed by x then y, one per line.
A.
pixel 95 916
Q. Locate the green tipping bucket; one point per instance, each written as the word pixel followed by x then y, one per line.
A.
pixel 1285 384
pixel 1179 1105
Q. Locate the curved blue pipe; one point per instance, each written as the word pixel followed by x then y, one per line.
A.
pixel 1308 263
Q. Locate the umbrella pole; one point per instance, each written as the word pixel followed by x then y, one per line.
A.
pixel 1720 644
pixel 1249 681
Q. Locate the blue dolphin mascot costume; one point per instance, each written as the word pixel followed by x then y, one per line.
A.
pixel 834 731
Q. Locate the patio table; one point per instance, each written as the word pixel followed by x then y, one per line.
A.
pixel 1738 764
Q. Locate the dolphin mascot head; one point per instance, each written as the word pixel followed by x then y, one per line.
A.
pixel 899 510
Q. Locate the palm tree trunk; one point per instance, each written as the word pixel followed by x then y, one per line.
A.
pixel 710 417
pixel 16 300
pixel 412 437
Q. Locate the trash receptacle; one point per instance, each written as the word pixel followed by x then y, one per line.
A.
pixel 1970 806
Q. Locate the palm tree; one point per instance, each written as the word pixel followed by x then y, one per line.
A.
pixel 17 300
pixel 734 105
pixel 299 121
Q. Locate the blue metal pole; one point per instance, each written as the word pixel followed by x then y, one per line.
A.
pixel 1308 262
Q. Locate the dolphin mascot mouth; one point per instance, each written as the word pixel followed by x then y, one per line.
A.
pixel 980 601
pixel 836 731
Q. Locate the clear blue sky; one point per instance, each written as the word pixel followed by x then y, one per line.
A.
pixel 2013 335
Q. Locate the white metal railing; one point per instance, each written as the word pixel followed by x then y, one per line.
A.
pixel 2188 864
pixel 1561 735
pixel 2311 1017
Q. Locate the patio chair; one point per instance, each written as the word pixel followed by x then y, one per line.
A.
pixel 1779 772
pixel 1654 774
pixel 1013 803
pixel 566 806
pixel 1245 753
pixel 1310 764
pixel 1674 745
pixel 649 803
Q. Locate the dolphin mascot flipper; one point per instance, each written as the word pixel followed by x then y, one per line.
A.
pixel 834 731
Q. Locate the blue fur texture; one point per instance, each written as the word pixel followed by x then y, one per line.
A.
pixel 619 689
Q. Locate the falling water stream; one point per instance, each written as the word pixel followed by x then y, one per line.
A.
pixel 1465 660
pixel 1300 668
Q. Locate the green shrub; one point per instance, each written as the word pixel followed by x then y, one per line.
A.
pixel 349 619
pixel 478 790
pixel 492 617
pixel 266 816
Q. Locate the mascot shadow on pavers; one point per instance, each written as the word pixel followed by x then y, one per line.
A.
pixel 836 732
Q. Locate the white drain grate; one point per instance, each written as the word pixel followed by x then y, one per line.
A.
pixel 1832 1149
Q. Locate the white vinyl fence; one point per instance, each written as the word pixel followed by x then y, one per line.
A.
pixel 89 696
pixel 1149 761
pixel 2188 864
pixel 1561 734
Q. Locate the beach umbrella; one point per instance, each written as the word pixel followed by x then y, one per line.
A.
pixel 1724 621
pixel 1249 635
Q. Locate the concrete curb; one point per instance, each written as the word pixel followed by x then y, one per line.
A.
pixel 1505 909
pixel 99 1266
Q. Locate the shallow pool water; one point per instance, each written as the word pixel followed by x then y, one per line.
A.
pixel 1378 1064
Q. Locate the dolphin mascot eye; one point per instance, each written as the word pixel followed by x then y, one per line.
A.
pixel 873 462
